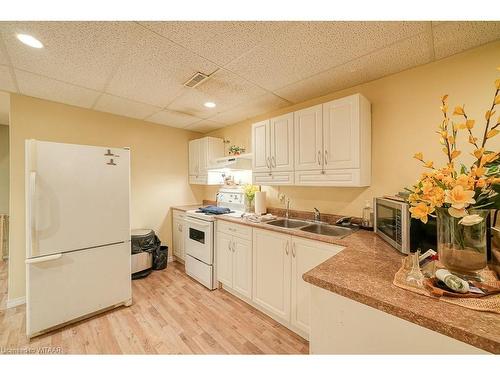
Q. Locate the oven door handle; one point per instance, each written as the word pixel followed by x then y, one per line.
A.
pixel 198 223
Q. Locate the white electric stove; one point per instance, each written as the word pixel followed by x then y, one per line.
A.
pixel 199 236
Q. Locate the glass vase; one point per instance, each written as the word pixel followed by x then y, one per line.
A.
pixel 462 248
pixel 248 206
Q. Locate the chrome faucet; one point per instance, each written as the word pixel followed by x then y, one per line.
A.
pixel 283 198
pixel 317 214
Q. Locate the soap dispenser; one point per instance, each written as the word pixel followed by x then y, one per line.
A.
pixel 367 217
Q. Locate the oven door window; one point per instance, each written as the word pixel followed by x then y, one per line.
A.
pixel 389 222
pixel 197 235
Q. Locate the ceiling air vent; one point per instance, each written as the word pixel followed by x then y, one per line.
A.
pixel 196 80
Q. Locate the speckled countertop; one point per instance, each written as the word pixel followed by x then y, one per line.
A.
pixel 364 271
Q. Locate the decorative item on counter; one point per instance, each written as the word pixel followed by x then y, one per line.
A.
pixel 367 217
pixel 415 276
pixel 260 202
pixel 460 196
pixel 453 282
pixel 427 262
pixel 236 150
pixel 250 191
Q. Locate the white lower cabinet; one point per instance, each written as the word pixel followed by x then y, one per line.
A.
pixel 178 227
pixel 271 273
pixel 279 261
pixel 234 260
pixel 265 268
pixel 306 255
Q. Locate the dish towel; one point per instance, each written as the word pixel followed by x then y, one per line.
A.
pixel 215 210
pixel 254 218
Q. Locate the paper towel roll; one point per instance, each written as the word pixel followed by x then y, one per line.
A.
pixel 260 202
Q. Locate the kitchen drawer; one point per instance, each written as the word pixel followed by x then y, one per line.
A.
pixel 237 230
pixel 340 177
pixel 274 178
pixel 178 214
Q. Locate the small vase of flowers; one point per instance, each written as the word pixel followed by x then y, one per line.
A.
pixel 250 191
pixel 236 150
pixel 460 196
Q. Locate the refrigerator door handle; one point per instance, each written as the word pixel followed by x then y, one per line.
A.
pixel 31 213
pixel 43 259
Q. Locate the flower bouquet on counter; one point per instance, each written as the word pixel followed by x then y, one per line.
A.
pixel 460 196
pixel 250 191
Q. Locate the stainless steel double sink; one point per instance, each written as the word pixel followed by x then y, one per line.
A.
pixel 312 227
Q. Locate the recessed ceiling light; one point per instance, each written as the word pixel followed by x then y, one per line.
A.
pixel 29 40
pixel 209 104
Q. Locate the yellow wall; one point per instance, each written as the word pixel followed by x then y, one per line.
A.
pixel 159 164
pixel 4 169
pixel 405 114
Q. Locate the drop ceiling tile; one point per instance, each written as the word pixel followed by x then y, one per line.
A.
pixel 220 42
pixel 453 37
pixel 41 87
pixel 6 80
pixel 3 57
pixel 224 88
pixel 403 55
pixel 155 69
pixel 205 126
pixel 172 118
pixel 307 48
pixel 81 53
pixel 258 106
pixel 124 107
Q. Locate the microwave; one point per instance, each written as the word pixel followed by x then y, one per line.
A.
pixel 394 224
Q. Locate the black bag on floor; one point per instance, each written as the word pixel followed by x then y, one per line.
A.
pixel 160 257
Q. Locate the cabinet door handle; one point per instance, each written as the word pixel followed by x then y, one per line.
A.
pixel 326 157
pixel 293 250
pixel 267 163
pixel 286 248
pixel 229 246
pixel 273 162
pixel 319 157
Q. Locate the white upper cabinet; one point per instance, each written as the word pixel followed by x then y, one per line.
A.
pixel 281 129
pixel 327 145
pixel 308 126
pixel 261 147
pixel 272 145
pixel 341 128
pixel 202 152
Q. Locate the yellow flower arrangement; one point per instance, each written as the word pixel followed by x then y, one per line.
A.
pixel 459 191
pixel 250 191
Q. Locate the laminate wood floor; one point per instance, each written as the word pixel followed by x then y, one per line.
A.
pixel 171 314
pixel 3 283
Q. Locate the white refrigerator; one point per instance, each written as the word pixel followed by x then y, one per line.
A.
pixel 77 232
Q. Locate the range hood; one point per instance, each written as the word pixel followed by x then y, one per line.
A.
pixel 233 162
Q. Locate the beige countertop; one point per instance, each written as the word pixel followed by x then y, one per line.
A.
pixel 364 271
pixel 187 207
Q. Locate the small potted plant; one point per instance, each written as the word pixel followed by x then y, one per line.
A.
pixel 236 150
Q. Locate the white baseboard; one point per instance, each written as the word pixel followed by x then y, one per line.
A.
pixel 16 302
